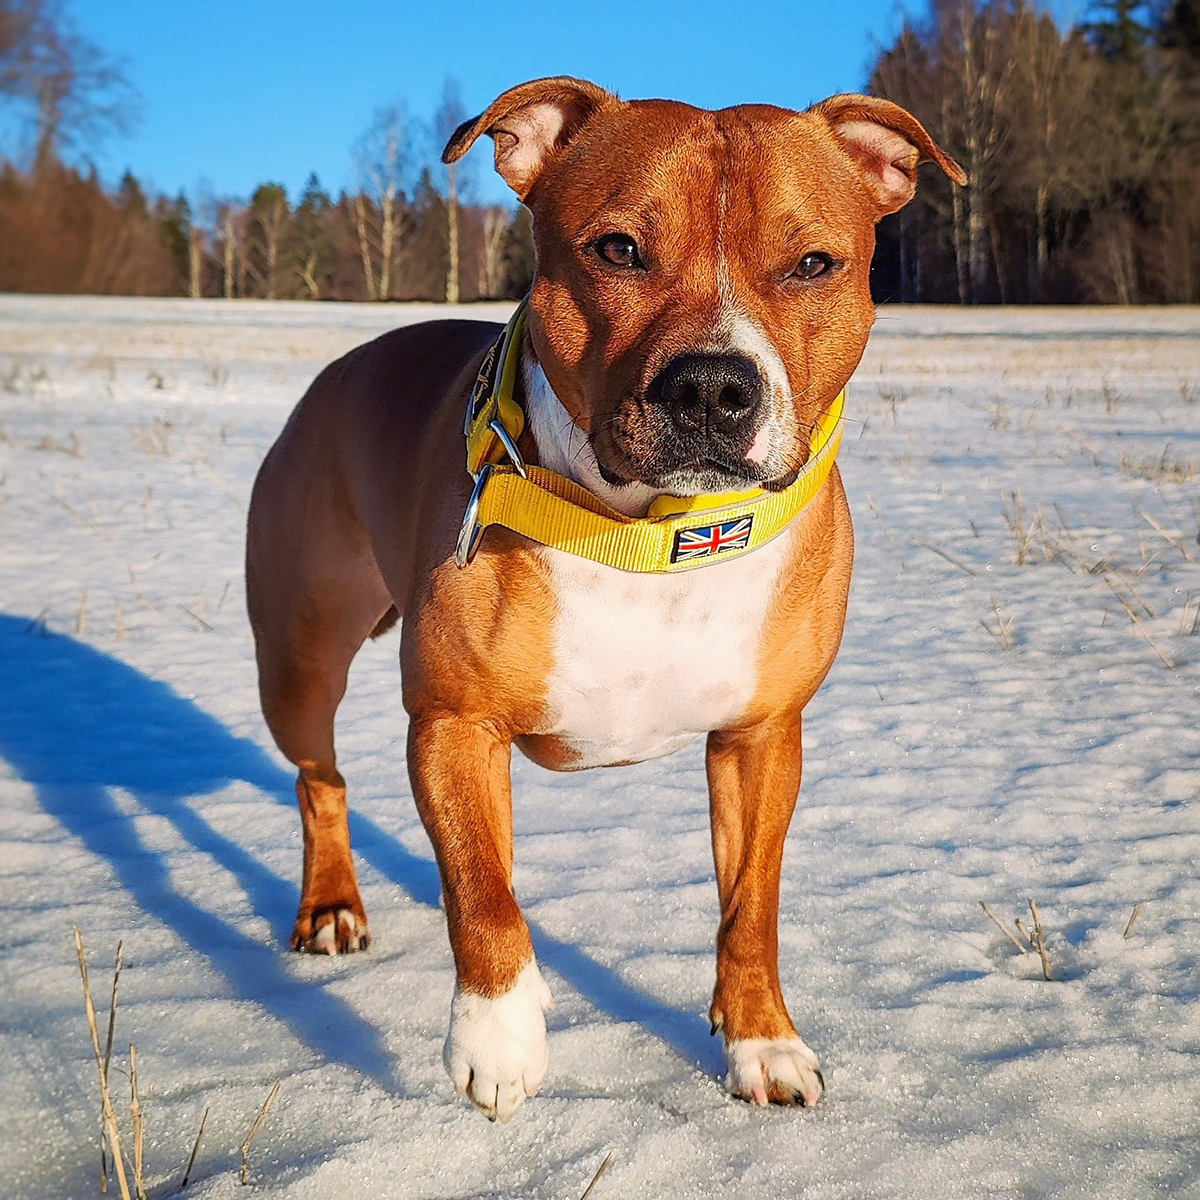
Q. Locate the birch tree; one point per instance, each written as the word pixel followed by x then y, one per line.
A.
pixel 450 115
pixel 68 89
pixel 381 157
pixel 269 217
pixel 491 258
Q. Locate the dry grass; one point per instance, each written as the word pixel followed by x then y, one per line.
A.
pixel 262 1116
pixel 70 446
pixel 217 372
pixel 127 1159
pixel 1038 539
pixel 1172 539
pixel 1137 621
pixel 154 439
pixel 950 558
pixel 1020 526
pixel 1189 618
pixel 1003 928
pixel 596 1178
pixel 1003 633
pixel 138 1124
pixel 1133 916
pixel 21 375
pixel 1162 469
pixel 201 623
pixel 187 1175
pixel 893 398
pixel 108 1113
pixel 1038 941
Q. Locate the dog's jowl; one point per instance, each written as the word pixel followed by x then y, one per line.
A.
pixel 642 538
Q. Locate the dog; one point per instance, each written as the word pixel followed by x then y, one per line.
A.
pixel 657 543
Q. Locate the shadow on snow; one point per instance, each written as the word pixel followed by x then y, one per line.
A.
pixel 76 723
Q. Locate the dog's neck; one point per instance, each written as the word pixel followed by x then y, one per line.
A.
pixel 564 448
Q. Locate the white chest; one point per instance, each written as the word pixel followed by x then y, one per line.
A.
pixel 645 663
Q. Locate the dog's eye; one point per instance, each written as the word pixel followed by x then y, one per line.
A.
pixel 619 249
pixel 813 265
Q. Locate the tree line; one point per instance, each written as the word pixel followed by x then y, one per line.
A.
pixel 401 231
pixel 1082 146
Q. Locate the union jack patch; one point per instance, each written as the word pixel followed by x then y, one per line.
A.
pixel 705 541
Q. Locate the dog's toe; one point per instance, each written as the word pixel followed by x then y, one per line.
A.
pixel 496 1052
pixel 332 930
pixel 774 1071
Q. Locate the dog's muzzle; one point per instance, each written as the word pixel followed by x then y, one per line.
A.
pixel 716 396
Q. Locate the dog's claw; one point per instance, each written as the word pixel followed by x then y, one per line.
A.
pixel 334 930
pixel 496 1052
pixel 774 1071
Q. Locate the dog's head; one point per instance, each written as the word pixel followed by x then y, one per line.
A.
pixel 702 285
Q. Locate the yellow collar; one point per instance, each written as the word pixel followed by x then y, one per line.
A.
pixel 680 532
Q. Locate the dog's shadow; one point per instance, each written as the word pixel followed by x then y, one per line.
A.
pixel 77 724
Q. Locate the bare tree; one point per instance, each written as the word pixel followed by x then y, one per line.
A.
pixel 975 56
pixel 955 75
pixel 195 262
pixel 362 227
pixel 311 246
pixel 1056 118
pixel 230 249
pixel 381 156
pixel 491 259
pixel 450 115
pixel 73 93
pixel 269 216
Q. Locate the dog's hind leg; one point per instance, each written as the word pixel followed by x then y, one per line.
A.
pixel 311 610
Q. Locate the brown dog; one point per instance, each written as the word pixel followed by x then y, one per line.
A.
pixel 701 298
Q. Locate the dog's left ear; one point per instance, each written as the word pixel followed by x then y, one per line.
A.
pixel 530 124
pixel 887 143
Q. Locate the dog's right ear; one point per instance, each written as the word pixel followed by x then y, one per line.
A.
pixel 529 124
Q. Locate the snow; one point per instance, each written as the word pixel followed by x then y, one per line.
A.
pixel 1053 754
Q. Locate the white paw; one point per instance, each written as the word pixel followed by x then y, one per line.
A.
pixel 779 1070
pixel 496 1052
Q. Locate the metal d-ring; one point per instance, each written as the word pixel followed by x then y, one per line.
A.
pixel 470 535
pixel 509 445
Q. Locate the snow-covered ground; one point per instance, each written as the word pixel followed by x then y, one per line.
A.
pixel 1014 714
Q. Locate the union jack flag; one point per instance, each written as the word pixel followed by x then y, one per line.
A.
pixel 704 541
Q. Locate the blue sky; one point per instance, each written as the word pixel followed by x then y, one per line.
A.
pixel 235 93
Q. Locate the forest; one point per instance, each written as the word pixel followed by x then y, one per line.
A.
pixel 1083 151
pixel 1082 145
pixel 401 231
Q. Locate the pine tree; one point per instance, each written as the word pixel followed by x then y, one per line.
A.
pixel 1116 32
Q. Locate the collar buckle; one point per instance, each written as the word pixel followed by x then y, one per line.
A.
pixel 470 535
pixel 510 447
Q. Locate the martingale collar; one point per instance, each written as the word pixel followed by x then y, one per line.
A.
pixel 680 532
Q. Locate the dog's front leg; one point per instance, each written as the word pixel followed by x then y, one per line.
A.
pixel 496 1051
pixel 754 780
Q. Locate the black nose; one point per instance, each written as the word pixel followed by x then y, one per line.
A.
pixel 711 392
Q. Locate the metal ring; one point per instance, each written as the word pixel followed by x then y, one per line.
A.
pixel 470 535
pixel 497 427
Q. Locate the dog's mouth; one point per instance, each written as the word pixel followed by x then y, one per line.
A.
pixel 689 467
pixel 696 476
